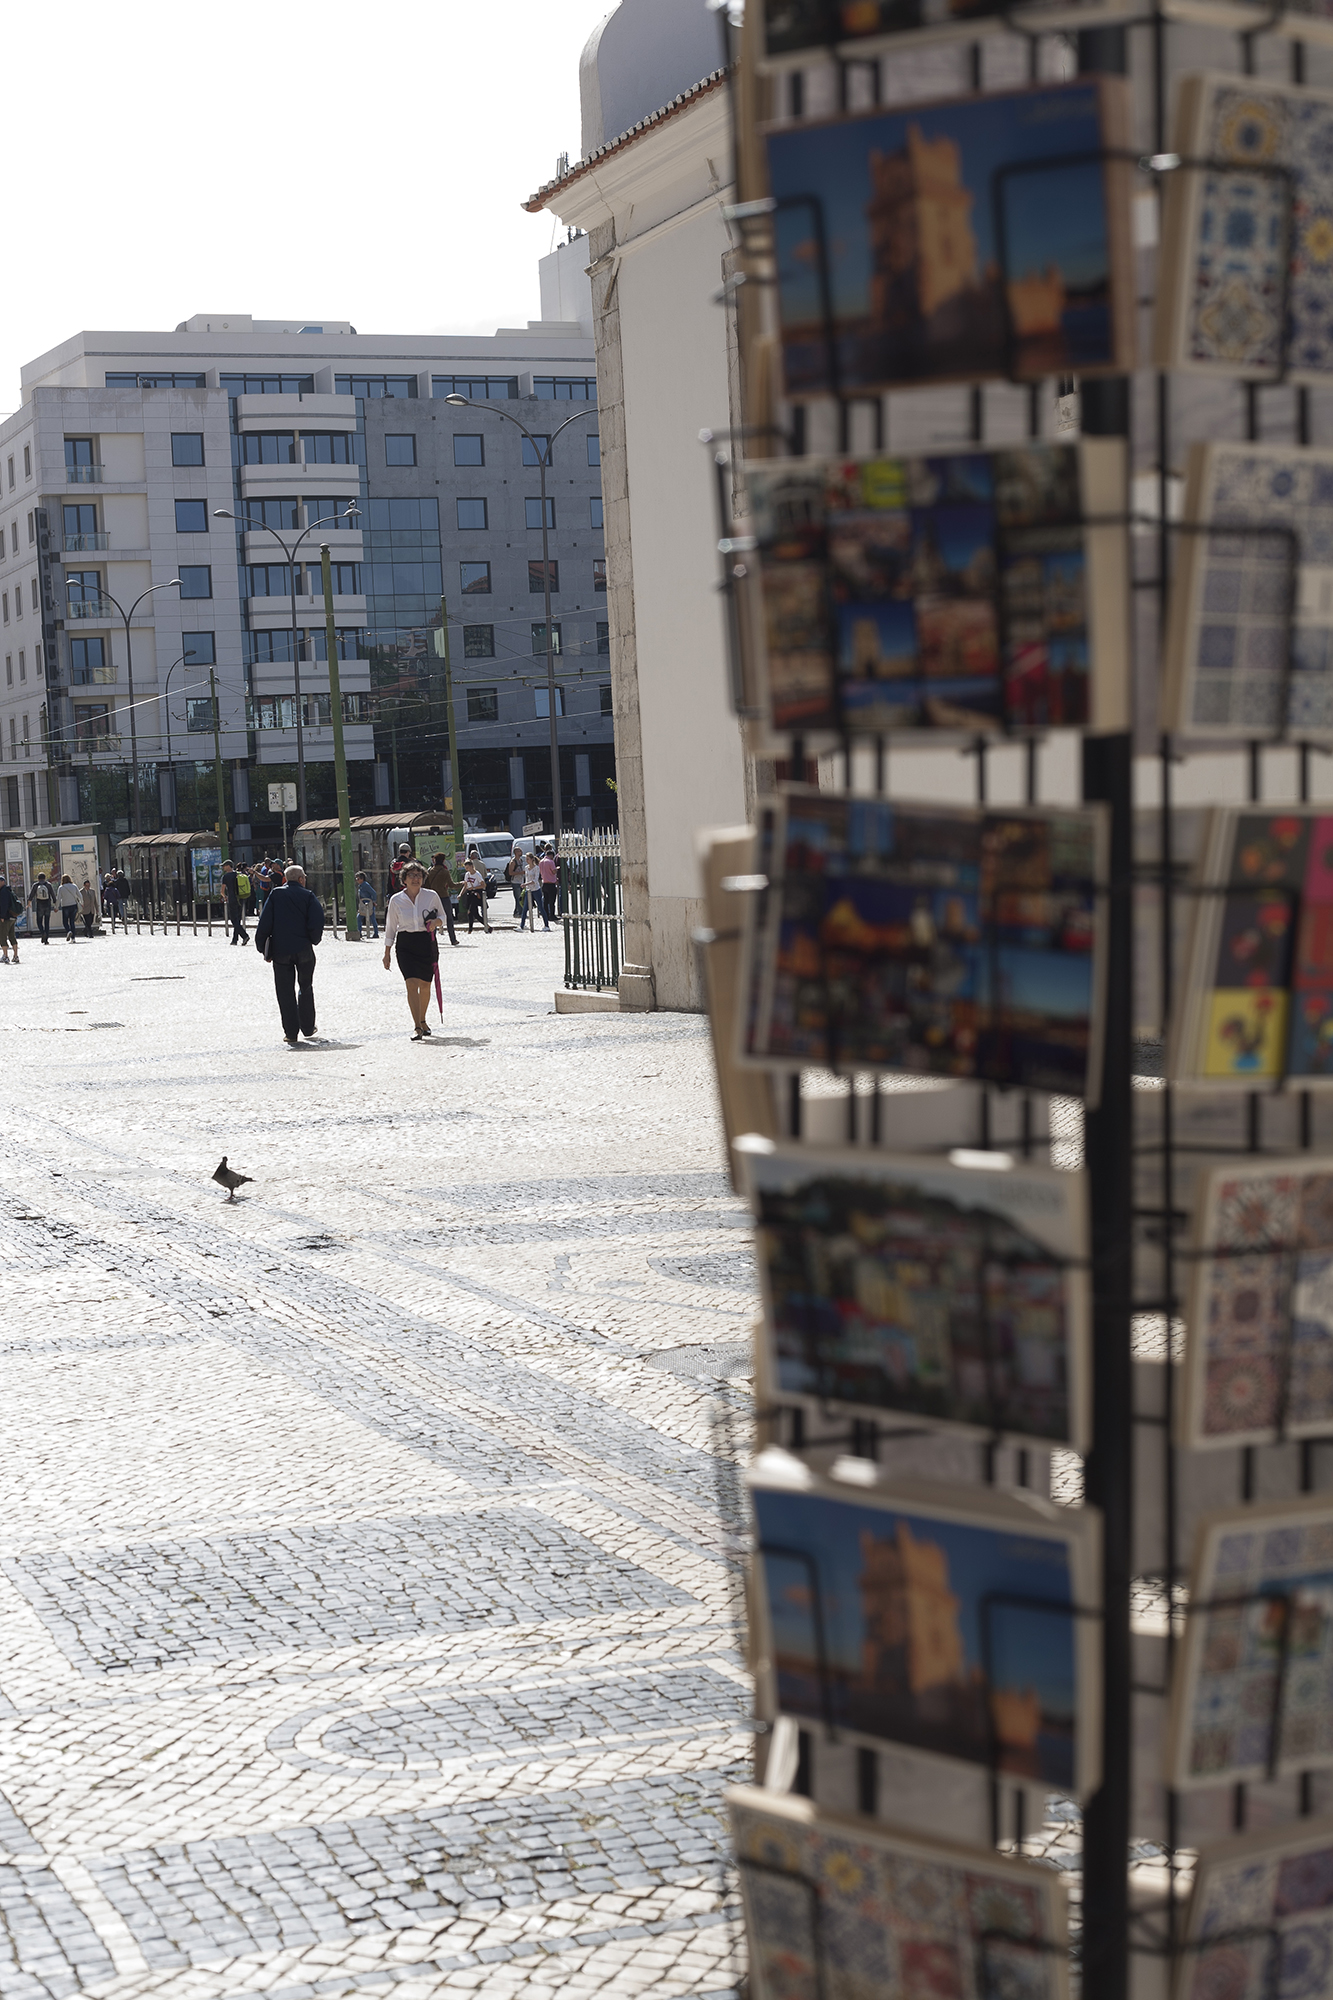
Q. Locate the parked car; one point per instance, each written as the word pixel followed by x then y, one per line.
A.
pixel 495 850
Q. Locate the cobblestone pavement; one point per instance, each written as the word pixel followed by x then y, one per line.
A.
pixel 364 1623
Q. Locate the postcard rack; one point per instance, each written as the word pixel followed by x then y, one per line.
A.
pixel 1142 1138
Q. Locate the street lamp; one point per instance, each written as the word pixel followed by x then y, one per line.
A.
pixel 102 592
pixel 542 452
pixel 326 521
pixel 166 704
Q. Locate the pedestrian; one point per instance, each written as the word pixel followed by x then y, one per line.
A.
pixel 11 909
pixel 43 899
pixel 514 877
pixel 291 924
pixel 67 896
pixel 111 897
pixel 474 895
pixel 550 874
pixel 88 906
pixel 232 903
pixel 414 915
pixel 532 893
pixel 367 909
pixel 441 880
pixel 123 892
pixel 396 866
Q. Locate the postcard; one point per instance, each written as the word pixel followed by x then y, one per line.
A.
pixel 943 941
pixel 1253 1686
pixel 958 1622
pixel 1259 1332
pixel 1261 1916
pixel 965 591
pixel 955 1295
pixel 1256 1005
pixel 794 30
pixel 845 1907
pixel 1246 239
pixel 1249 646
pixel 984 237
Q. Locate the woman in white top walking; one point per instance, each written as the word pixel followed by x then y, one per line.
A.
pixel 414 914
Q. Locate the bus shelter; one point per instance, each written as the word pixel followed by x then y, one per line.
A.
pixel 171 872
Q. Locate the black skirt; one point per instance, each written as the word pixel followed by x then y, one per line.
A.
pixel 415 952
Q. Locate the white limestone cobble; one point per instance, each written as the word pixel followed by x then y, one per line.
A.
pixel 364 1618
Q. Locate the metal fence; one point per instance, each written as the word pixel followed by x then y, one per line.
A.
pixel 592 914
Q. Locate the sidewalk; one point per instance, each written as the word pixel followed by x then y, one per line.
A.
pixel 362 1618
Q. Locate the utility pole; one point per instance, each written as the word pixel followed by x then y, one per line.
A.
pixel 339 754
pixel 217 765
pixel 455 775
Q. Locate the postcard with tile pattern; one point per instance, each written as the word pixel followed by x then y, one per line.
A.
pixel 846 1908
pixel 1259 1331
pixel 939 940
pixel 963 591
pixel 958 1622
pixel 954 1294
pixel 1256 1004
pixel 1249 647
pixel 986 236
pixel 1247 245
pixel 1253 1686
pixel 1260 1919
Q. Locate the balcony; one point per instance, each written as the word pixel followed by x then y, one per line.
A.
pixel 83 475
pixel 90 746
pixel 86 607
pixel 82 545
pixel 93 676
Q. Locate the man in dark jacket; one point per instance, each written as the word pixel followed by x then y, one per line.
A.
pixel 231 903
pixel 441 880
pixel 11 909
pixel 43 899
pixel 293 921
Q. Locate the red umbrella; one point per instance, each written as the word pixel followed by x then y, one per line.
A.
pixel 439 997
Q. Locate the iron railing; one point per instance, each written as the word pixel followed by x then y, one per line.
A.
pixel 592 913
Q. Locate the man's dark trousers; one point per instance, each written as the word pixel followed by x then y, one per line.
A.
pixel 297 1008
pixel 43 912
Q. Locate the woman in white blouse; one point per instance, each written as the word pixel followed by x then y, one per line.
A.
pixel 414 914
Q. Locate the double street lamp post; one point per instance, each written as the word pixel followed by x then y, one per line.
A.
pixel 541 449
pixel 289 550
pixel 105 596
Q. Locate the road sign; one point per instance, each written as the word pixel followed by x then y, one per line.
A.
pixel 282 798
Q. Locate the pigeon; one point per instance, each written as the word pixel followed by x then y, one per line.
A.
pixel 225 1177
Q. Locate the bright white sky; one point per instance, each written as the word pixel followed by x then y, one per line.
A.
pixel 345 162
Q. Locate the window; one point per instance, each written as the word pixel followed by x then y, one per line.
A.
pixel 258 385
pixel 198 649
pixel 18 600
pixel 479 642
pixel 472 514
pixel 82 586
pixel 91 720
pixel 565 388
pixel 196 580
pixel 199 712
pixel 36 596
pixel 346 578
pixel 319 508
pixel 374 386
pixel 400 448
pixel 532 510
pixel 267 580
pixel 603 636
pixel 415 517
pixel 157 381
pixel 267 448
pixel 23 669
pixel 539 637
pixel 14 537
pixel 80 519
pixel 79 451
pixel 605 692
pixel 599 573
pixel 9 670
pixel 191 517
pixel 537 576
pixel 32 526
pixel 481 388
pixel 13 738
pixel 594 448
pixel 483 705
pixel 474 579
pixel 537 450
pixel 270 513
pixel 469 450
pixel 542 700
pixel 4 599
pixel 595 510
pixel 88 662
pixel 187 447
pixel 334 448
pixel 11 475
pixel 27 461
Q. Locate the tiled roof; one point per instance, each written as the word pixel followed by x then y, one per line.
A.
pixel 580 167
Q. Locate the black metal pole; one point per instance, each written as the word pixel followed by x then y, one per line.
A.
pixel 134 733
pixel 543 457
